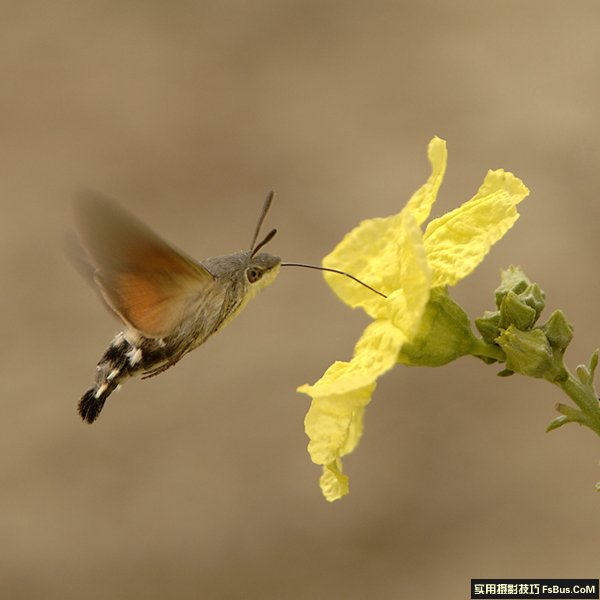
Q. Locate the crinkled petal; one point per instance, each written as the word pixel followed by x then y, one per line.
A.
pixel 334 424
pixel 370 251
pixel 458 241
pixel 334 484
pixel 374 354
pixel 407 304
pixel 420 203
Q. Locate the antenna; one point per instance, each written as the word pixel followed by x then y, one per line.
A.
pixel 263 214
pixel 334 271
pixel 267 239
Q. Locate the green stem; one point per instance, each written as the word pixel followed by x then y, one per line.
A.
pixel 582 393
pixel 585 397
pixel 480 348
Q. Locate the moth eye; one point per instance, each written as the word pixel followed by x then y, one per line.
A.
pixel 253 274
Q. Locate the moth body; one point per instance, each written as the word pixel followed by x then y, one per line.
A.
pixel 169 303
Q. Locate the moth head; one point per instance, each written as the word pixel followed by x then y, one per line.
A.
pixel 262 269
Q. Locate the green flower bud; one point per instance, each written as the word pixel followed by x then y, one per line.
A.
pixel 530 353
pixel 593 363
pixel 514 311
pixel 444 334
pixel 558 422
pixel 558 330
pixel 533 296
pixel 489 326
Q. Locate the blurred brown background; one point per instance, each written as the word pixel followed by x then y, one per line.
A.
pixel 197 484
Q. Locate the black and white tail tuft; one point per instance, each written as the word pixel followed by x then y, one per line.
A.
pixel 124 358
pixel 116 364
pixel 90 406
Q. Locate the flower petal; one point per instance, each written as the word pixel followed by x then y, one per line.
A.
pixel 370 251
pixel 458 241
pixel 334 424
pixel 374 354
pixel 334 484
pixel 422 200
pixel 405 306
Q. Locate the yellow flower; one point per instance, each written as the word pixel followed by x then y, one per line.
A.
pixel 394 256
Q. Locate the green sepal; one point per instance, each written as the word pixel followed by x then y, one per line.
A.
pixel 534 297
pixel 444 334
pixel 583 374
pixel 489 326
pixel 556 423
pixel 488 360
pixel 512 280
pixel 528 353
pixel 558 330
pixel 570 413
pixel 593 364
pixel 515 311
pixel 505 373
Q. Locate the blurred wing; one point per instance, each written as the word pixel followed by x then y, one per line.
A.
pixel 149 284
